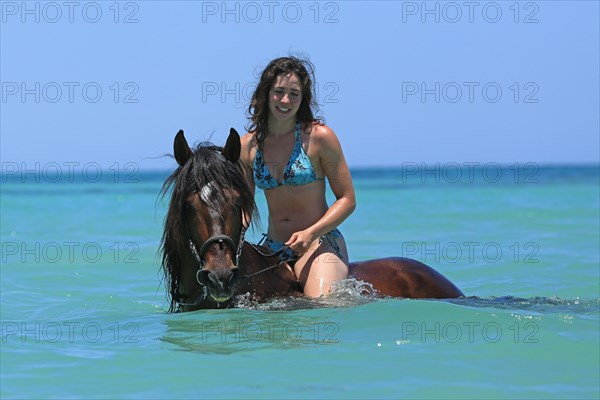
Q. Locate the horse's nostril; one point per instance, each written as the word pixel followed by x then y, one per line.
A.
pixel 209 279
pixel 234 275
pixel 203 277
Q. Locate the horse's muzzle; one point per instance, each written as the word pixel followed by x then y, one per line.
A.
pixel 220 283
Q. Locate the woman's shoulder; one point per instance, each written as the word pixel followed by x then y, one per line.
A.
pixel 248 142
pixel 323 135
pixel 249 139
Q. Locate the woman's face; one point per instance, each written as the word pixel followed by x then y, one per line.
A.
pixel 285 97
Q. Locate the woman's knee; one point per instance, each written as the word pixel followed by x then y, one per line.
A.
pixel 322 275
pixel 318 276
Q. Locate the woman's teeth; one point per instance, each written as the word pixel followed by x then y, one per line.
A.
pixel 283 109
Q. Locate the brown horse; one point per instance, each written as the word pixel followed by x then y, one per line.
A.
pixel 206 261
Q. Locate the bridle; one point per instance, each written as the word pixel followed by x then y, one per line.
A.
pixel 199 255
pixel 221 239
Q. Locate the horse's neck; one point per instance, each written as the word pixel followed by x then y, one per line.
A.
pixel 253 258
pixel 266 275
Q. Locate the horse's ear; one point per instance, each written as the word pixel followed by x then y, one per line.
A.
pixel 181 148
pixel 233 146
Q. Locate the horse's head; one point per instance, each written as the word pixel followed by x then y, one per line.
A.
pixel 204 230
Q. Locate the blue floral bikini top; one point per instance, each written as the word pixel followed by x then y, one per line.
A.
pixel 298 171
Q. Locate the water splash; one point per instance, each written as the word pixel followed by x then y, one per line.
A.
pixel 344 293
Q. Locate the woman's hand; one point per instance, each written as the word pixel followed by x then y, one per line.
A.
pixel 300 242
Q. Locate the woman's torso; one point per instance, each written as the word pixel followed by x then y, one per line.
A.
pixel 295 198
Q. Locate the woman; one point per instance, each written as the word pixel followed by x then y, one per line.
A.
pixel 288 153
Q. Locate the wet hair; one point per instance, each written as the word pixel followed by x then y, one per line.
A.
pixel 258 110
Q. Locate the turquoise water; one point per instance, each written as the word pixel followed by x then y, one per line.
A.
pixel 84 314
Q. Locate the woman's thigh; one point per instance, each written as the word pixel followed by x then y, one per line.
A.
pixel 325 262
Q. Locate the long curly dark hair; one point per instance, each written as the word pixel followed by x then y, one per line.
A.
pixel 258 110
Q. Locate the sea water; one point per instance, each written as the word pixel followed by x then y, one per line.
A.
pixel 84 312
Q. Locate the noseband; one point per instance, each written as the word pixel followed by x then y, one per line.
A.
pixel 199 255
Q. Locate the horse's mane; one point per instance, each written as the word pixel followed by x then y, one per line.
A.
pixel 205 166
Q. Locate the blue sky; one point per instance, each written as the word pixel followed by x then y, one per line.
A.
pixel 112 82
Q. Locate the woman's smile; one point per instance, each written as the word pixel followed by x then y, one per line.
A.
pixel 283 110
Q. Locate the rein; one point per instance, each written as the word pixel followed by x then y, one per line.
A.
pixel 282 260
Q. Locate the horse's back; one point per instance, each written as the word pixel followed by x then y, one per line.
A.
pixel 404 277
